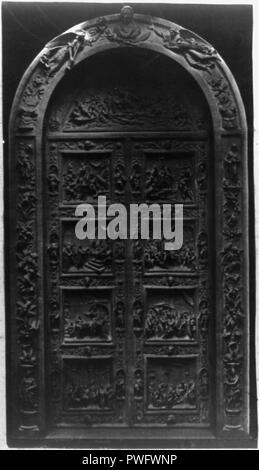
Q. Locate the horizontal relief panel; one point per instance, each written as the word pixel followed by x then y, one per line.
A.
pixel 88 384
pixel 85 176
pixel 171 383
pixel 87 315
pixel 170 315
pixel 82 256
pixel 169 177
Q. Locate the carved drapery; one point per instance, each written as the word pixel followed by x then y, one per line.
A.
pixel 26 127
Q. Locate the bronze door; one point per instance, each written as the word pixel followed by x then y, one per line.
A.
pixel 128 338
pixel 124 341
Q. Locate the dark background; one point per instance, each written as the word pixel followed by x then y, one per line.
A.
pixel 27 27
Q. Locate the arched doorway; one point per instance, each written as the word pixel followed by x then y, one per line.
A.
pixel 124 336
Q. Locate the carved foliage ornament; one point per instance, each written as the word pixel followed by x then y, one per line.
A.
pixel 231 259
pixel 26 306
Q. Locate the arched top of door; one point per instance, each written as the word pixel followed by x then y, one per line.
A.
pixel 128 29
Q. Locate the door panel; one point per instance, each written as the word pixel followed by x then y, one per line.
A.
pixel 86 293
pixel 128 339
pixel 128 319
pixel 171 349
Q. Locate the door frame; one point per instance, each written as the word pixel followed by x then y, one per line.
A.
pixel 26 422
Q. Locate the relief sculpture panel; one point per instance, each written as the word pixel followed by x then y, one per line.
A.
pixel 171 317
pixel 84 256
pixel 171 387
pixel 88 384
pixel 169 177
pixel 87 317
pixel 85 178
pixel 157 258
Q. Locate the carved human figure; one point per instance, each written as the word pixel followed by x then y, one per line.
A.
pixel 127 30
pixel 53 179
pixel 119 178
pixel 185 184
pixel 28 391
pixel 227 107
pixel 24 161
pixel 232 388
pixel 27 200
pixel 77 257
pixel 92 324
pixel 67 256
pixel 203 248
pixel 203 317
pixel 166 322
pixel 62 53
pixel 70 182
pixel 98 30
pixel 233 348
pixel 120 314
pixel 120 385
pixel 164 393
pixel 159 181
pixel 138 386
pixel 33 93
pixel 53 254
pixel 28 266
pixel 137 314
pixel 231 260
pixel 202 178
pixel 204 383
pixel 135 178
pixel 229 113
pixel 197 54
pixel 187 257
pixel 231 164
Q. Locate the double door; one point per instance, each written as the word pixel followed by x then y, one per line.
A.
pixel 129 323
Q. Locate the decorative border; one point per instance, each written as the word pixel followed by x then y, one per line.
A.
pixel 27 320
pixel 232 266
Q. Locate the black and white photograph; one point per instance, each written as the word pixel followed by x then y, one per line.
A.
pixel 129 210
